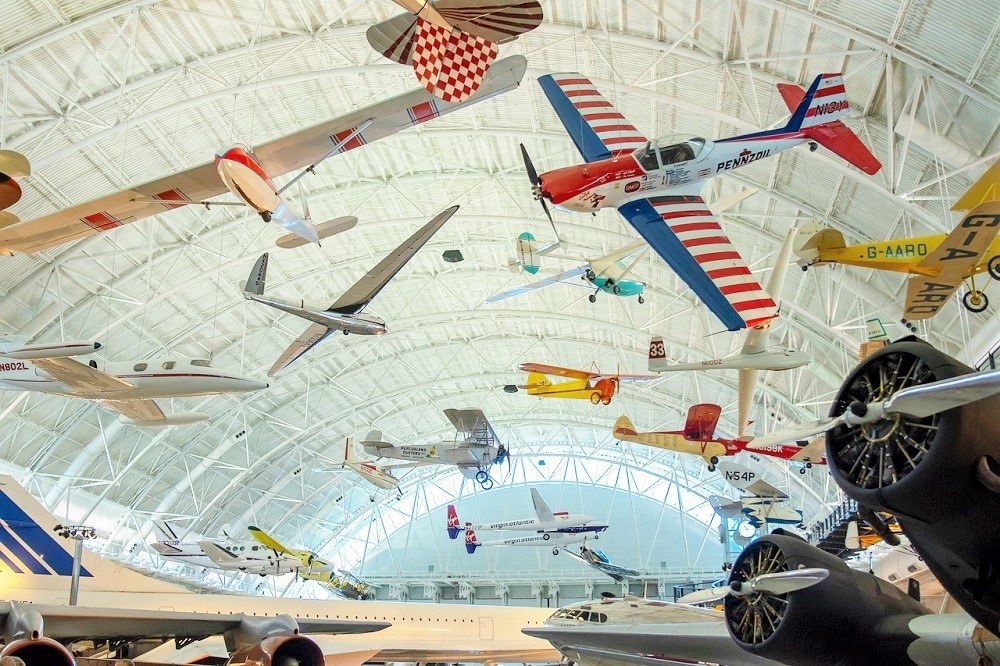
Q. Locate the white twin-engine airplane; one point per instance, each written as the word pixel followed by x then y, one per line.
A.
pixel 250 557
pixel 552 529
pixel 119 604
pixel 128 388
pixel 346 312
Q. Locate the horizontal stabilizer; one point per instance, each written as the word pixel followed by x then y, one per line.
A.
pixel 812 240
pixel 323 230
pixel 175 419
pixel 987 188
pixel 839 139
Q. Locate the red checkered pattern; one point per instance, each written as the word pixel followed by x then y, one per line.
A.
pixel 450 65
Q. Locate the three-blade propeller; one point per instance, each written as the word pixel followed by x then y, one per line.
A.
pixel 917 401
pixel 778 583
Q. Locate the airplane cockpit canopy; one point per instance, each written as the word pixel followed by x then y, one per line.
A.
pixel 655 155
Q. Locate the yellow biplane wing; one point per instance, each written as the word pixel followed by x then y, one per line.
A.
pixel 950 263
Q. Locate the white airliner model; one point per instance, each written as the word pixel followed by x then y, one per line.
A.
pixel 545 521
pixel 115 603
pixel 128 388
pixel 346 312
pixel 753 357
pixel 555 539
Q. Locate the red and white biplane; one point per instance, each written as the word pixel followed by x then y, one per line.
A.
pixel 451 44
pixel 243 174
pixel 658 188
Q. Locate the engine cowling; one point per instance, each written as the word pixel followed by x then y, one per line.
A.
pixel 933 473
pixel 39 651
pixel 271 641
pixel 845 619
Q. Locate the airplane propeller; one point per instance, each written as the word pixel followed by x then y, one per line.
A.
pixel 917 401
pixel 779 583
pixel 536 186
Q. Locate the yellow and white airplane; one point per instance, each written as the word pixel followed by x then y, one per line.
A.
pixel 937 264
pixel 117 603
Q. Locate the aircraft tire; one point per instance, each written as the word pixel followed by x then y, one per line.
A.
pixel 993 267
pixel 589 274
pixel 606 400
pixel 711 468
pixel 265 215
pixel 595 398
pixel 714 460
pixel 616 289
pixel 802 470
pixel 975 301
pixel 545 537
pixel 481 476
pixel 555 551
pixel 592 298
pixel 641 300
pixel 487 484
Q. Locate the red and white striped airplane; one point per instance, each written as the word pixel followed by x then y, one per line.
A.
pixel 658 188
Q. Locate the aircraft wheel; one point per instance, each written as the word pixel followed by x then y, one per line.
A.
pixel 809 465
pixel 975 301
pixel 813 146
pixel 481 477
pixel 711 468
pixel 993 267
pixel 606 400
pixel 595 397
pixel 714 460
pixel 265 215
pixel 641 300
pixel 487 484
pixel 555 551
pixel 592 298
pixel 596 536
pixel 616 289
pixel 589 275
pixel 545 536
pixel 802 470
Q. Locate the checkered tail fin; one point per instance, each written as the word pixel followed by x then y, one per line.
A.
pixel 450 65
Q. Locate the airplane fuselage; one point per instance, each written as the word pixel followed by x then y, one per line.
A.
pixel 776 359
pixel 149 379
pixel 551 539
pixel 244 176
pixel 760 510
pixel 899 255
pixel 359 323
pixel 563 523
pixel 251 557
pixel 374 475
pixel 614 181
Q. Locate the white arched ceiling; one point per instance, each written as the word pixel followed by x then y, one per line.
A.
pixel 102 95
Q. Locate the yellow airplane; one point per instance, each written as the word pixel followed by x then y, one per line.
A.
pixel 597 387
pixel 317 569
pixel 937 264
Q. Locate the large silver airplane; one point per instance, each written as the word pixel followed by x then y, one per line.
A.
pixel 346 312
pixel 118 604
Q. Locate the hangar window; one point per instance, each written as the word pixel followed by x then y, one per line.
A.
pixel 139 367
pixel 168 365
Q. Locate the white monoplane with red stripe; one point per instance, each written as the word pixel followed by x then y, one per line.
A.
pixel 242 173
pixel 658 188
pixel 451 44
pixel 545 520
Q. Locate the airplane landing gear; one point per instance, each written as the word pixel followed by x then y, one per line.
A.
pixel 589 275
pixel 555 551
pixel 993 267
pixel 641 300
pixel 265 215
pixel 975 301
pixel 592 298
pixel 595 398
pixel 813 146
pixel 484 480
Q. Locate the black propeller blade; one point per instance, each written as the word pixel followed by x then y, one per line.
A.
pixel 536 186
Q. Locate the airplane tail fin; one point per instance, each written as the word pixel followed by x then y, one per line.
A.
pixel 536 381
pixel 349 450
pixel 35 555
pixel 471 542
pixel 812 239
pixel 255 283
pixel 374 436
pixel 528 258
pixel 817 114
pixel 166 531
pixel 624 427
pixel 542 509
pixel 284 216
pixel 454 527
pixel 987 188
pixel 657 354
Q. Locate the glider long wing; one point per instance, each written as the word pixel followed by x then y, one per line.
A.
pixel 540 284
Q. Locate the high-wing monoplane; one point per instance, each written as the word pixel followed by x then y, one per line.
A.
pixel 474 450
pixel 243 173
pixel 545 520
pixel 451 44
pixel 698 438
pixel 753 357
pixel 607 274
pixel 379 476
pixel 762 504
pixel 597 387
pixel 938 264
pixel 346 312
pixel 657 189
pixel 128 388
pixel 596 559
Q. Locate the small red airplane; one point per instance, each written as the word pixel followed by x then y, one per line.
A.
pixel 657 189
pixel 698 438
pixel 597 387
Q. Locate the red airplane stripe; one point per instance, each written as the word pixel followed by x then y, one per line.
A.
pixel 603 116
pixel 756 304
pixel 708 240
pixel 731 271
pixel 717 256
pixel 694 226
pixel 598 104
pixel 582 92
pixel 618 139
pixel 685 213
pixel 832 90
pixel 573 82
pixel 739 288
pixel 612 128
pixel 101 221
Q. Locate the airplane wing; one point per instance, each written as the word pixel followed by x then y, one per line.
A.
pixel 281 156
pixel 686 235
pixel 813 452
pixel 81 377
pixel 701 422
pixel 137 410
pixel 72 623
pixel 269 541
pixel 596 127
pixel 540 284
pixel 688 642
pixel 756 340
pixel 633 378
pixel 557 371
pixel 604 264
pixel 498 21
pixel 474 423
pixel 542 509
pixel 311 337
pixel 946 266
pixel 372 282
pixel 761 488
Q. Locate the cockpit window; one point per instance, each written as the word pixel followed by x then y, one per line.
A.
pixel 200 362
pixel 139 367
pixel 646 157
pixel 168 365
pixel 679 152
